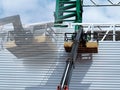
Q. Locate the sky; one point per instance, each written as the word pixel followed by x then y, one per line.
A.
pixel 30 11
pixel 101 14
pixel 35 11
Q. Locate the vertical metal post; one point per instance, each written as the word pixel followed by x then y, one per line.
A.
pixel 114 36
pixel 56 13
pixel 79 11
pixel 92 30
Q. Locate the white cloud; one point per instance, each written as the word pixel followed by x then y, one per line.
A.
pixel 102 14
pixel 31 11
pixel 94 15
pixel 113 13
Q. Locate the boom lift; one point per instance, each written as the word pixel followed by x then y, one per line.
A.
pixel 71 11
pixel 24 42
pixel 20 35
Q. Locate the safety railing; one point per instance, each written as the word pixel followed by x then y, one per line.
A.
pixel 106 31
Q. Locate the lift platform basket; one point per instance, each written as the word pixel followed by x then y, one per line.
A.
pixel 91 47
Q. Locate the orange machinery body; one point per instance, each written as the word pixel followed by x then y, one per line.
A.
pixel 91 47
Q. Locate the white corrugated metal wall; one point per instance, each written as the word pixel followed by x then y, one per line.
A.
pixel 100 73
pixel 44 71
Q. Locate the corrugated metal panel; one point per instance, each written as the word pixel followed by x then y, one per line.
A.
pixel 44 71
pixel 32 72
pixel 100 73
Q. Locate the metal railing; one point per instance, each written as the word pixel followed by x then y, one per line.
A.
pixel 105 30
pixel 94 3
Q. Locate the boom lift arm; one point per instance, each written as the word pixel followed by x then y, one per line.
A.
pixel 20 35
pixel 64 84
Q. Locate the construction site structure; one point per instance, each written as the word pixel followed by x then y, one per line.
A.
pixel 84 39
